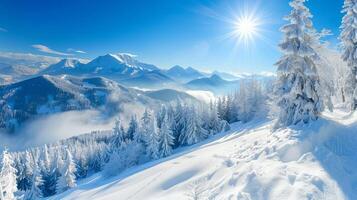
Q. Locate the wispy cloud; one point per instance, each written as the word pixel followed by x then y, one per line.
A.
pixel 46 49
pixel 3 30
pixel 76 51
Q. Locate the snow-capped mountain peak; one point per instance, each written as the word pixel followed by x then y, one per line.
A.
pixel 122 63
pixel 71 63
pixel 62 67
pixel 125 57
pixel 183 74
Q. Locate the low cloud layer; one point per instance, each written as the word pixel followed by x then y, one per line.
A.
pixel 55 127
pixel 205 96
pixel 52 128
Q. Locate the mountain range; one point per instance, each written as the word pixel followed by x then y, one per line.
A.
pixel 45 95
pixel 105 83
pixel 123 68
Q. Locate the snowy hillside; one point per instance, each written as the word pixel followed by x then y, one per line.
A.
pixel 250 162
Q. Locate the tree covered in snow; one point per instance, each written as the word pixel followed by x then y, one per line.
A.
pixel 25 171
pixel 127 155
pixel 152 141
pixel 35 191
pixel 145 127
pixel 133 127
pixel 119 134
pixel 160 116
pixel 298 82
pixel 251 100
pixel 166 139
pixel 8 185
pixel 178 122
pixel 193 130
pixel 349 46
pixel 67 179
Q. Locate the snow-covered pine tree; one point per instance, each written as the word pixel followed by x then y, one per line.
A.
pixel 35 192
pixel 45 160
pixel 298 82
pixel 214 124
pixel 160 116
pixel 119 134
pixel 152 139
pixel 67 179
pixel 25 175
pixel 349 46
pixel 8 185
pixel 220 108
pixel 144 129
pixel 133 127
pixel 166 139
pixel 192 131
pixel 127 155
pixel 51 180
pixel 178 122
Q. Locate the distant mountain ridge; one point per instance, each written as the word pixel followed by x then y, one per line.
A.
pixel 123 68
pixel 181 74
pixel 214 83
pixel 47 94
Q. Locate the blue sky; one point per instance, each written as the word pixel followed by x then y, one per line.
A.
pixel 161 32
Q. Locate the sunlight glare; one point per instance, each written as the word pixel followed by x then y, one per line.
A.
pixel 246 27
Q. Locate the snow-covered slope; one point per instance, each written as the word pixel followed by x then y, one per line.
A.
pixel 250 162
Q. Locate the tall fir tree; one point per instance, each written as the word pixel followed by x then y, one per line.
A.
pixel 166 139
pixel 193 131
pixel 152 141
pixel 119 134
pixel 214 123
pixel 178 122
pixel 160 116
pixel 8 185
pixel 349 51
pixel 67 179
pixel 144 129
pixel 35 191
pixel 25 175
pixel 298 81
pixel 133 127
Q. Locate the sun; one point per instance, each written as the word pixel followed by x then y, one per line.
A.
pixel 246 28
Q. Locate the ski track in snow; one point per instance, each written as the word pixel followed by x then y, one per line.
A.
pixel 250 162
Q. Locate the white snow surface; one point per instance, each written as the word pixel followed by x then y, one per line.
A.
pixel 251 162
